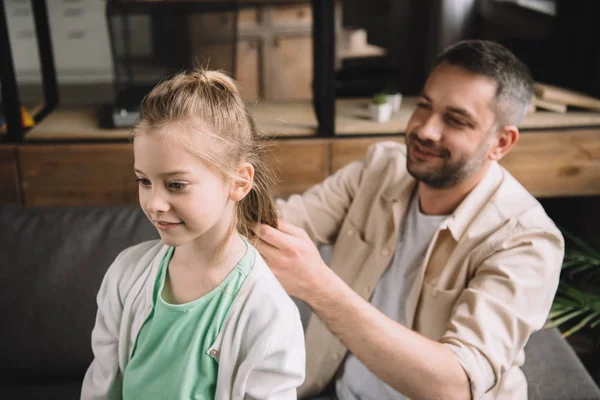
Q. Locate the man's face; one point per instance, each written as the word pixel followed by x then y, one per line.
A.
pixel 449 135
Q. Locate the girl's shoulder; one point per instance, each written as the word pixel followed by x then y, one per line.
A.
pixel 133 262
pixel 262 297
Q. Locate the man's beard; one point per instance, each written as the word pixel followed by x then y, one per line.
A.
pixel 449 173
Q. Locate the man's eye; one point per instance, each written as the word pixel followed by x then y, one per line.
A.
pixel 143 182
pixel 456 122
pixel 424 105
pixel 176 185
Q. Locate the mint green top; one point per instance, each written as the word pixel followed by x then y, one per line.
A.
pixel 170 359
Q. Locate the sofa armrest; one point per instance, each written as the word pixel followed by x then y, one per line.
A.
pixel 554 371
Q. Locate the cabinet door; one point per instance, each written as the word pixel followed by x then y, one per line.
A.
pixel 289 68
pixel 9 176
pixel 287 16
pixel 247 67
pixel 78 175
pixel 219 56
pixel 298 164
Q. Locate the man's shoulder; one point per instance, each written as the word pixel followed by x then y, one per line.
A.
pixel 512 204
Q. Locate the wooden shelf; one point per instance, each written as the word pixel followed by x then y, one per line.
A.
pixel 554 157
pixel 288 119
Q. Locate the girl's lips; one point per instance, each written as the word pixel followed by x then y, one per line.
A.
pixel 166 225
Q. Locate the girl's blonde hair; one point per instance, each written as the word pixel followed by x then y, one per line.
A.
pixel 222 133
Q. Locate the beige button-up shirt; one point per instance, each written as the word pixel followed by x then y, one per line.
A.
pixel 486 283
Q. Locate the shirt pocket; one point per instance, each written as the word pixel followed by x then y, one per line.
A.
pixel 350 253
pixel 434 309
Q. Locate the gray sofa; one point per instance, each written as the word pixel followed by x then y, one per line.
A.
pixel 51 265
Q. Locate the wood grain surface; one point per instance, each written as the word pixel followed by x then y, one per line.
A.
pixel 9 175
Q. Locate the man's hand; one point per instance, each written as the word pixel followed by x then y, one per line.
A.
pixel 293 258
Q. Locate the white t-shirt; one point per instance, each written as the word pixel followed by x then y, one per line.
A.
pixel 356 382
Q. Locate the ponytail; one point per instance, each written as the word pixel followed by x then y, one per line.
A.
pixel 258 206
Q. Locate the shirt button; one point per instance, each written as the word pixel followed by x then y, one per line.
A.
pixel 350 232
pixel 337 356
pixel 213 353
pixel 434 293
pixel 367 289
pixel 386 252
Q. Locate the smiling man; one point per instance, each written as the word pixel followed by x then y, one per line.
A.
pixel 443 264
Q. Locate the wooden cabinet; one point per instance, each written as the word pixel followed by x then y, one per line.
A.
pixel 77 174
pixel 248 67
pixel 276 42
pixel 9 175
pixel 102 174
pixel 298 164
pixel 290 68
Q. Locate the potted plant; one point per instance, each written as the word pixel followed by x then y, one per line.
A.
pixel 576 306
pixel 379 108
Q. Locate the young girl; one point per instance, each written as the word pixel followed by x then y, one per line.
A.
pixel 197 314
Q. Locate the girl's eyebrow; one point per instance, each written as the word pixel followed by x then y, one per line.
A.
pixel 171 173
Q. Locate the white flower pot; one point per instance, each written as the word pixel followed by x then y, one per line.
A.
pixel 380 112
pixel 395 100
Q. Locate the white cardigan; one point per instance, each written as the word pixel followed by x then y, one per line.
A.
pixel 260 348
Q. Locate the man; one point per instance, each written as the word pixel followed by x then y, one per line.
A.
pixel 443 264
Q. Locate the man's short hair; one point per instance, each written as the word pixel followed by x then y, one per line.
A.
pixel 514 93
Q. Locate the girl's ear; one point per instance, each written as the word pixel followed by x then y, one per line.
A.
pixel 242 182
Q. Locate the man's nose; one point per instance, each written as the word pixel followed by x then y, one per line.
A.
pixel 430 129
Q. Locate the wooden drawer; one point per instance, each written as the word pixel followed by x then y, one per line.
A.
pixel 9 175
pixel 344 151
pixel 78 175
pixel 557 164
pixel 298 164
pixel 102 174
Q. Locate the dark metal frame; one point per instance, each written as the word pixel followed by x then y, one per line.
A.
pixel 125 9
pixel 10 90
pixel 323 64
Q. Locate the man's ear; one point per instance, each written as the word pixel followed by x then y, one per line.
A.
pixel 242 181
pixel 503 142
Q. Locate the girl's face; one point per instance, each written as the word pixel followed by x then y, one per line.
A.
pixel 185 198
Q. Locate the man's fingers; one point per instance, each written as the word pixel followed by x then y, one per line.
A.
pixel 273 237
pixel 291 229
pixel 265 249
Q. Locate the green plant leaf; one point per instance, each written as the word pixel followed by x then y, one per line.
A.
pixel 565 318
pixel 581 243
pixel 580 325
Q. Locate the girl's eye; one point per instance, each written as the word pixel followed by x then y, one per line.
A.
pixel 176 185
pixel 142 181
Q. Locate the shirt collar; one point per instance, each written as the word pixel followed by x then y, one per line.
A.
pixel 462 216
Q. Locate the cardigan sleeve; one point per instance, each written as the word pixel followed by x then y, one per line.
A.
pixel 103 379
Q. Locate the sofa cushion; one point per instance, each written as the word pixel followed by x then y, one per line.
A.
pixel 52 262
pixel 554 371
pixel 62 391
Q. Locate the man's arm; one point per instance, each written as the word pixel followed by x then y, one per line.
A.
pixel 412 364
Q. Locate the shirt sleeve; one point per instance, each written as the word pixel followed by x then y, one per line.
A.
pixel 508 298
pixel 320 211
